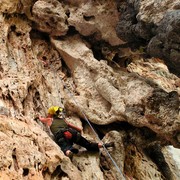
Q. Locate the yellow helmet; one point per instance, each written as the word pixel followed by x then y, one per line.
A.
pixel 53 110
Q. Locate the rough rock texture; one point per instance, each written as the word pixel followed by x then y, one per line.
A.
pixel 168 82
pixel 48 56
pixel 50 17
pixel 128 97
pixel 166 44
pixel 87 16
pixel 154 24
pixel 27 152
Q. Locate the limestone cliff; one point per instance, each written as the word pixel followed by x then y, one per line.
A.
pixel 99 60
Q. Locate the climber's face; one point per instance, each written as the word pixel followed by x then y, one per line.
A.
pixel 60 113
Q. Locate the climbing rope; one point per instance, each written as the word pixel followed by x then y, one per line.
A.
pixel 85 117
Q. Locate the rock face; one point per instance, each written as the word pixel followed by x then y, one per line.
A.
pixel 154 24
pixel 68 54
pixel 166 43
pixel 129 97
pixel 50 17
pixel 27 152
pixel 86 17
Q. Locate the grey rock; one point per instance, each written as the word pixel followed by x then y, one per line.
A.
pixel 166 44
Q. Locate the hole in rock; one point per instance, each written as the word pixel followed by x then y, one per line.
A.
pixel 122 62
pixel 14 157
pixel 47 23
pixel 35 34
pixel 67 13
pixel 1 68
pixel 96 49
pixel 88 18
pixel 155 153
pixel 13 28
pixel 18 33
pixel 71 31
pixel 44 58
pixel 37 95
pixel 65 69
pixel 25 171
pixel 57 172
pixel 29 89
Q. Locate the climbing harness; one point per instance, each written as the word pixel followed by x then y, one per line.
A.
pixel 85 117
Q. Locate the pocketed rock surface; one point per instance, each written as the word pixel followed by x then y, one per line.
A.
pixel 79 55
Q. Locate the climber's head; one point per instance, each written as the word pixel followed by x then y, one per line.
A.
pixel 56 111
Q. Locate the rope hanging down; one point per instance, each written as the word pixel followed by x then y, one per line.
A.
pixel 85 117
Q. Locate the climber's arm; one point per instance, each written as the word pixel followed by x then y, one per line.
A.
pixel 47 120
pixel 73 126
pixel 44 120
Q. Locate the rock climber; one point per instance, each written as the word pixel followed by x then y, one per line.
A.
pixel 67 134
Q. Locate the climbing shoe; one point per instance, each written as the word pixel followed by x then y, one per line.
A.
pixel 111 144
pixel 74 150
pixel 69 153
